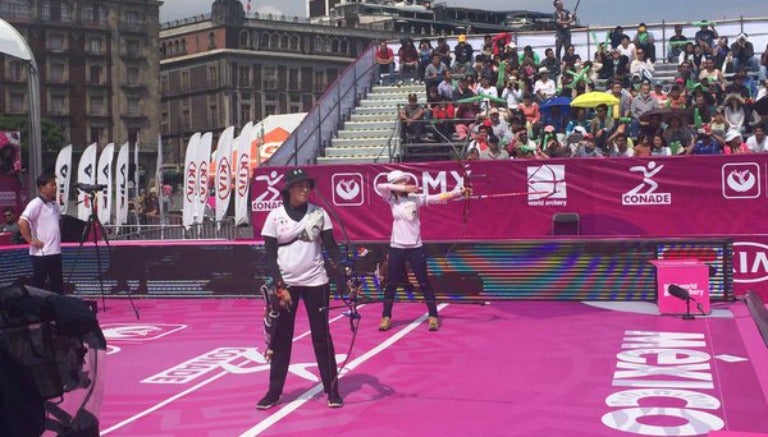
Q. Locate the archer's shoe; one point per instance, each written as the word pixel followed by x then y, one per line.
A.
pixel 335 401
pixel 385 324
pixel 434 324
pixel 268 401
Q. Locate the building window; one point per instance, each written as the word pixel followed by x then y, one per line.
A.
pixel 164 122
pixel 133 135
pixel 184 80
pixel 319 80
pixel 284 42
pixel 244 76
pixel 95 71
pixel 213 76
pixel 295 43
pixel 55 42
pixel 318 44
pixel 16 102
pixel 211 41
pixel 273 41
pixel 16 9
pixel 344 47
pixel 16 71
pixel 245 40
pixel 270 78
pixel 327 46
pixel 293 79
pixel 164 83
pixel 132 48
pixel 97 105
pixel 134 106
pixel 184 120
pixel 245 113
pixel 56 72
pixel 132 75
pixel 66 13
pixel 58 104
pixel 95 45
pixel 270 110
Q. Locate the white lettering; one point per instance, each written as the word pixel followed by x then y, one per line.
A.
pixel 664 356
pixel 196 367
pixel 697 422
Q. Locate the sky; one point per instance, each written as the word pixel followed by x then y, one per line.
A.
pixel 592 12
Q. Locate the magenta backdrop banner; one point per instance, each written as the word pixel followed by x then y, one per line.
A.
pixel 660 197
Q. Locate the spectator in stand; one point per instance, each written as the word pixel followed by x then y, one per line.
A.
pixel 744 54
pixel 660 147
pixel 763 92
pixel 735 113
pixel 411 116
pixel 488 45
pixel 721 53
pixel 11 226
pixel 763 74
pixel 443 113
pixel 551 63
pixel 409 60
pixel 697 60
pixel 737 86
pixel 702 106
pixel 625 99
pixel 433 74
pixel 601 127
pixel 643 147
pixel 563 20
pixel 615 66
pixel 644 40
pixel 486 89
pixel 521 143
pixel 676 98
pixel 706 36
pixel 554 148
pixel 385 64
pixel 480 142
pixel 493 152
pixel 619 147
pixel 530 109
pixel 718 126
pixel 677 133
pixel 446 89
pixel 734 145
pixel 685 55
pixel 758 142
pixel 676 44
pixel 641 68
pixel 705 144
pixel 579 120
pixel 570 57
pixel 659 94
pixel 425 56
pixel 499 126
pixel 544 88
pixel 529 54
pixel 462 91
pixel 463 52
pixel 444 51
pixel 151 206
pixel 466 114
pixel 628 49
pixel 710 70
pixel 512 93
pixel 587 148
pixel 641 104
pixel 616 35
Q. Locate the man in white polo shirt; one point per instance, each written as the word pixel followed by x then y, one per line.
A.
pixel 39 226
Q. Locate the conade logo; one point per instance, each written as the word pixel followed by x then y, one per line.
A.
pixel 750 262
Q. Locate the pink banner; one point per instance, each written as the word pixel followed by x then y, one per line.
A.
pixel 661 197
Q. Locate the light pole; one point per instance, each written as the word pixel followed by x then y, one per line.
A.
pixel 13 44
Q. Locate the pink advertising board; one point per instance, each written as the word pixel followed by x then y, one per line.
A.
pixel 691 276
pixel 692 196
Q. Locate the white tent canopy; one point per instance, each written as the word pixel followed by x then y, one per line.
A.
pixel 12 43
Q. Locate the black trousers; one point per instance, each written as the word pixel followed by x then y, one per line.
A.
pixel 397 276
pixel 316 303
pixel 48 268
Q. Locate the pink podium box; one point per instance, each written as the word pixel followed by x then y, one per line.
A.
pixel 688 274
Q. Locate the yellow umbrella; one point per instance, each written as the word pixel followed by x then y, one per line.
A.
pixel 593 99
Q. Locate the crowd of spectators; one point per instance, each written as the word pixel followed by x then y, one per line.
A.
pixel 503 101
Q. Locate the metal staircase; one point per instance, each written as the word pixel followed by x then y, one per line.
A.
pixel 371 133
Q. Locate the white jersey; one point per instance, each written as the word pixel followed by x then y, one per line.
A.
pixel 43 218
pixel 299 252
pixel 406 227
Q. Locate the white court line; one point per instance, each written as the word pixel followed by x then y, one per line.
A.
pixel 192 389
pixel 307 395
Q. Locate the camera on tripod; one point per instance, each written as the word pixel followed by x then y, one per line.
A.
pixel 90 188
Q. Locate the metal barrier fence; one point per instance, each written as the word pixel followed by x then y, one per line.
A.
pixel 171 228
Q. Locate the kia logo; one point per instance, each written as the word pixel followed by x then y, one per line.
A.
pixel 750 262
pixel 242 175
pixel 191 181
pixel 225 177
pixel 203 181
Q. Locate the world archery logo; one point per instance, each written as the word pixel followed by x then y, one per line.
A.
pixel 348 189
pixel 547 186
pixel 741 180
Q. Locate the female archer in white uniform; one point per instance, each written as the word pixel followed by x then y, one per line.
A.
pixel 293 240
pixel 405 243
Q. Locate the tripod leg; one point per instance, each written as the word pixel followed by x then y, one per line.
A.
pixel 98 260
pixel 83 237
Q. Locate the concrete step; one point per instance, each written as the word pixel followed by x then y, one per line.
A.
pixel 382 123
pixel 365 133
pixel 340 152
pixel 407 88
pixel 360 142
pixel 384 111
pixel 383 102
pixel 369 117
pixel 384 158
